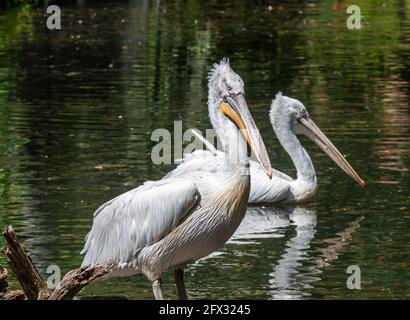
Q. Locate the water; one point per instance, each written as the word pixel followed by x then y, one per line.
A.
pixel 78 106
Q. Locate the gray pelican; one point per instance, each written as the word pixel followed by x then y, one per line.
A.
pixel 166 223
pixel 288 117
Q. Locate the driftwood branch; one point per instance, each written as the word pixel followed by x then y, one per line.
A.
pixel 77 279
pixel 33 285
pixel 20 263
pixel 3 280
pixel 5 293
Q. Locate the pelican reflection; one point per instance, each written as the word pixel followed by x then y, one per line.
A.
pixel 287 280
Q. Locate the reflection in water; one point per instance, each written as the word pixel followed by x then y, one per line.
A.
pixel 393 148
pixel 261 222
pixel 336 245
pixel 296 270
pixel 272 222
pixel 286 281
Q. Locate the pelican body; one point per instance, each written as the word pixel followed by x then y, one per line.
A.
pixel 288 117
pixel 167 223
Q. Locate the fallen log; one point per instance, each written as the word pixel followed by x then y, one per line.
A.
pixel 32 283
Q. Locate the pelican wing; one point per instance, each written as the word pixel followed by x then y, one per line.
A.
pixel 264 190
pixel 138 218
pixel 199 160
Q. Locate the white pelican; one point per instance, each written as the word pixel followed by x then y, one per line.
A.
pixel 165 224
pixel 288 117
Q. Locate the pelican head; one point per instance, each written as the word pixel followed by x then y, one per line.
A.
pixel 289 114
pixel 229 111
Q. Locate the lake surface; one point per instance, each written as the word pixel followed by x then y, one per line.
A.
pixel 78 106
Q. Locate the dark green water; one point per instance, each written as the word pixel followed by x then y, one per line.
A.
pixel 78 106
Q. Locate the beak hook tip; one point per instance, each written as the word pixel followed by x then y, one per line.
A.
pixel 362 183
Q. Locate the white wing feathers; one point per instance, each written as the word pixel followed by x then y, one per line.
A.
pixel 264 190
pixel 138 218
pixel 199 160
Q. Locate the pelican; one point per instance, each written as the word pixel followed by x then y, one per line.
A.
pixel 288 117
pixel 167 223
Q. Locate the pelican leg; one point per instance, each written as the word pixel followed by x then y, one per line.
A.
pixel 179 281
pixel 156 288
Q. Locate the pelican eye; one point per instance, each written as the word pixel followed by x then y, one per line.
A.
pixel 303 113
